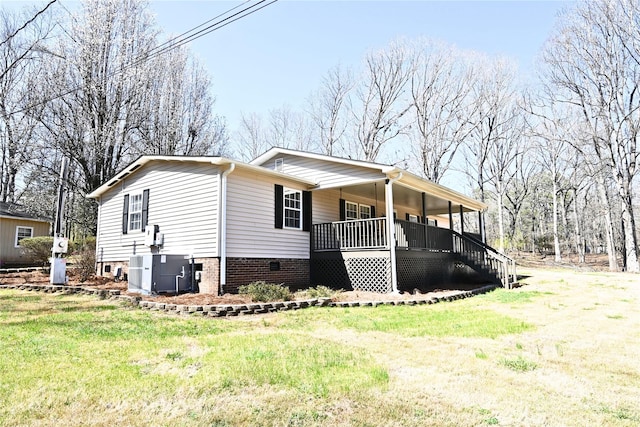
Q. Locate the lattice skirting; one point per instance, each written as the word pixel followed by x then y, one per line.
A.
pixel 361 271
pixel 423 270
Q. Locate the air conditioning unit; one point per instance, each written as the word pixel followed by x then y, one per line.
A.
pixel 159 273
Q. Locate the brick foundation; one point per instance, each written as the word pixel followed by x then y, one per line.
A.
pixel 293 273
pixel 210 283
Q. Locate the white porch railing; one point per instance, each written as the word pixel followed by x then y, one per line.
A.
pixel 355 234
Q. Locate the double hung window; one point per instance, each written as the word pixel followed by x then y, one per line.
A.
pixel 135 212
pixel 22 233
pixel 292 209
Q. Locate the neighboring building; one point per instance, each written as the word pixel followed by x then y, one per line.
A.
pixel 16 225
pixel 290 217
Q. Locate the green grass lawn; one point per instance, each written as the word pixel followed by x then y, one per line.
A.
pixel 560 351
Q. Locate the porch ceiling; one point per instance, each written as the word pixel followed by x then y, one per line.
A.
pixel 404 196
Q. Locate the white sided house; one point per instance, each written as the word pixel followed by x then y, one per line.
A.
pixel 213 224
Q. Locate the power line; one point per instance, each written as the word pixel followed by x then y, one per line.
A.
pixel 40 12
pixel 186 37
pixel 170 44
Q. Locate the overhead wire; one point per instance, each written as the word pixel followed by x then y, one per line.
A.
pixel 40 12
pixel 172 43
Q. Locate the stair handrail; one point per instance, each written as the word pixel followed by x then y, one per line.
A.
pixel 507 262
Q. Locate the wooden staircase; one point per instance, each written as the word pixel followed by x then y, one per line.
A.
pixel 484 259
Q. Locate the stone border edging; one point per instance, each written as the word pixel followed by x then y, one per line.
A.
pixel 228 310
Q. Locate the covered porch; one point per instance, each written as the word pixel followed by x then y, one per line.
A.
pixel 435 238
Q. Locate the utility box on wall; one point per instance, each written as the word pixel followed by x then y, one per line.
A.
pixel 157 273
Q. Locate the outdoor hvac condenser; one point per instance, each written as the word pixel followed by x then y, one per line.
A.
pixel 156 273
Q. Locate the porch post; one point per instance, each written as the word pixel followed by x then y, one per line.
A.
pixel 461 219
pixel 481 226
pixel 425 221
pixel 450 217
pixel 391 235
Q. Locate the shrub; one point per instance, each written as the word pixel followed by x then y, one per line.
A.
pixel 86 263
pixel 38 249
pixel 263 292
pixel 321 292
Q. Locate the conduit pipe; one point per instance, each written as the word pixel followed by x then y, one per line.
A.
pixel 222 226
pixel 388 196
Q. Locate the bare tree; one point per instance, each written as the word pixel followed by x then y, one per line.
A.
pixel 94 123
pixel 380 100
pixel 593 64
pixel 494 96
pixel 20 69
pixel 178 117
pixel 251 137
pixel 441 83
pixel 327 108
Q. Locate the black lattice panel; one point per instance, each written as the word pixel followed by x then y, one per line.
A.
pixel 330 272
pixel 371 274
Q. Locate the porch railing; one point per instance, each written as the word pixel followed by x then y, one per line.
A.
pixel 485 257
pixel 345 235
pixel 372 234
pixel 413 235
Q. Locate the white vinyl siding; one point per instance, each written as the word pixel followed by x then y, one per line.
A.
pixel 183 202
pixel 250 219
pixel 325 173
pixel 326 206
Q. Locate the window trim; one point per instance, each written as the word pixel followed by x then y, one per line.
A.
pixel 132 212
pixel 358 210
pixel 346 210
pixel 286 191
pixel 18 227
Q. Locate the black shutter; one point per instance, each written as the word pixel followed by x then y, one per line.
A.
pixel 306 210
pixel 125 214
pixel 279 202
pixel 406 216
pixel 145 209
pixel 343 209
pixel 373 211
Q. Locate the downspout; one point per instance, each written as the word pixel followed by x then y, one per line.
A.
pixel 222 227
pixel 388 194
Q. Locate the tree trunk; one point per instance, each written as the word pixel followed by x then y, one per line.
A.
pixel 500 219
pixel 578 231
pixel 630 239
pixel 608 223
pixel 556 239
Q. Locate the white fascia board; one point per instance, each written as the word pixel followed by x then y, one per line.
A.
pixel 360 163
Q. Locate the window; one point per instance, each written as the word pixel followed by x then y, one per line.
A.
pixel 365 212
pixel 292 209
pixel 135 212
pixel 350 210
pixel 413 218
pixel 23 233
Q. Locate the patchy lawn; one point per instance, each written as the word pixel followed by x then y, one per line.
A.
pixel 560 350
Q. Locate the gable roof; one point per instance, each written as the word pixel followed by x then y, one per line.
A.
pixel 275 151
pixel 406 178
pixel 216 161
pixel 13 211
